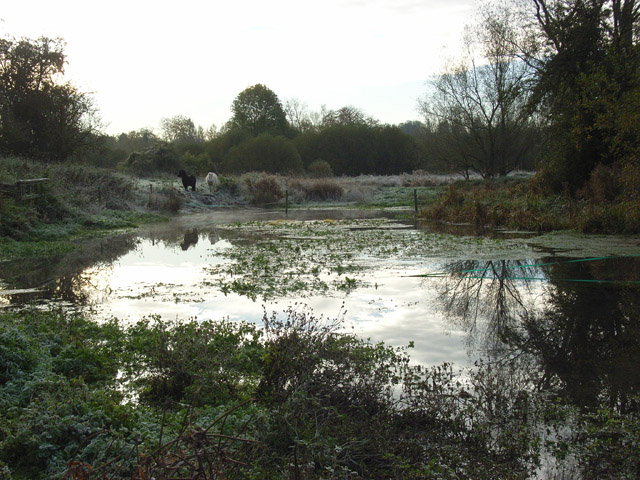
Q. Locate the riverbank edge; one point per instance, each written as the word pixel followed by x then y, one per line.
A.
pixel 520 204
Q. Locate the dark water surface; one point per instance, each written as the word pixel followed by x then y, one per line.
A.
pixel 569 305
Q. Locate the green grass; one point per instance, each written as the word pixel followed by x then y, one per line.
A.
pixel 12 249
pixel 80 399
pixel 78 201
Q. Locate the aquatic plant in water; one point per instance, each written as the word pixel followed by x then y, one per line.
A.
pixel 281 258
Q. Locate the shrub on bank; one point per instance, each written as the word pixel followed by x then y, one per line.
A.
pixel 298 398
pixel 165 199
pixel 264 191
pixel 323 190
pixel 522 204
pixel 316 190
pixel 319 169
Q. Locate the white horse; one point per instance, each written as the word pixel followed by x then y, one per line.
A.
pixel 212 181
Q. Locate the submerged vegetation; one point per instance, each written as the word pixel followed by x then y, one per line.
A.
pixel 331 256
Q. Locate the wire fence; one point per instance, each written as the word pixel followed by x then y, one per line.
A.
pixel 410 198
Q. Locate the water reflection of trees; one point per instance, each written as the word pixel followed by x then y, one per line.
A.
pixel 578 320
pixel 74 278
pixel 485 298
pixel 588 337
pixel 65 277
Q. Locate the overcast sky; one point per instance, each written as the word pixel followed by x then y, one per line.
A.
pixel 148 60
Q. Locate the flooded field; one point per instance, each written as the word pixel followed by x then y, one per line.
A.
pixel 455 298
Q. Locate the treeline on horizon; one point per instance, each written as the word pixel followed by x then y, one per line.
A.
pixel 340 142
pixel 550 85
pixel 41 118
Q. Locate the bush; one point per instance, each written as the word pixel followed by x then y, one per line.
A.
pixel 603 185
pixel 299 398
pixel 152 160
pixel 322 190
pixel 453 197
pixel 16 221
pixel 319 169
pixel 228 184
pixel 167 199
pixel 198 363
pixel 263 153
pixel 265 190
pixel 198 163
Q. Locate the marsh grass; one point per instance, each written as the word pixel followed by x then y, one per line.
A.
pixel 511 204
pixel 165 199
pixel 604 205
pixel 364 191
pixel 316 190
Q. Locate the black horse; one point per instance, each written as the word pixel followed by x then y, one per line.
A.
pixel 190 238
pixel 187 180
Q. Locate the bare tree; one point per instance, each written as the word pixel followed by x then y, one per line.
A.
pixel 347 115
pixel 298 114
pixel 479 102
pixel 180 129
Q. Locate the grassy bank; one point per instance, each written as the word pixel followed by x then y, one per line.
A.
pixel 80 200
pixel 296 400
pixel 521 204
pixel 77 201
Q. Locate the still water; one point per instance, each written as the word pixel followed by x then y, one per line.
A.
pixel 572 302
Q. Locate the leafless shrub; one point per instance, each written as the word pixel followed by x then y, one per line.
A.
pixel 322 190
pixel 266 190
pixel 165 199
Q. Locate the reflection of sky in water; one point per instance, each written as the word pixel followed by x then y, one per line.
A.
pixel 167 281
pixel 164 273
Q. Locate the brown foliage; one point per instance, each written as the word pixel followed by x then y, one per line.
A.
pixel 322 190
pixel 265 190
